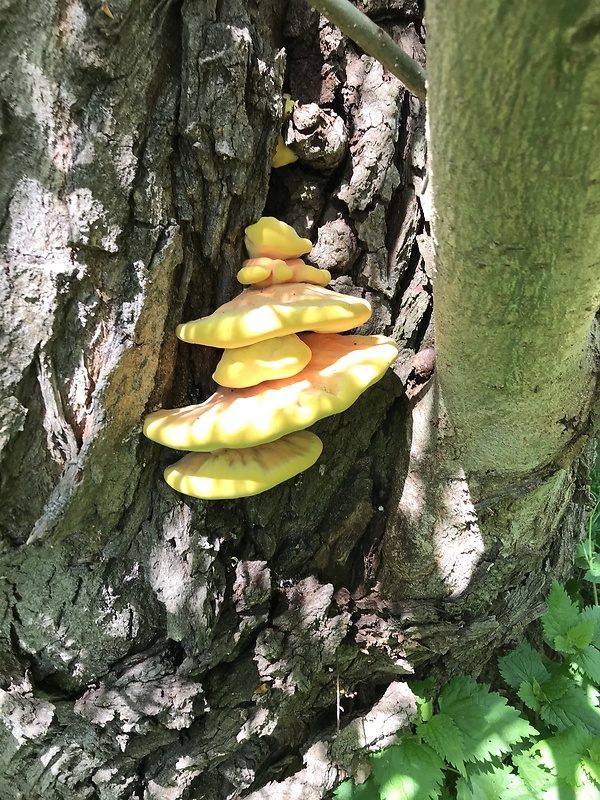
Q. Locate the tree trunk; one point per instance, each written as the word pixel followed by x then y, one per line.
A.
pixel 154 646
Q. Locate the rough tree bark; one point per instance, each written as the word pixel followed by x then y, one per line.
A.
pixel 157 647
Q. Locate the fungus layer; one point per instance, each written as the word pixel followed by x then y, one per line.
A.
pixel 275 239
pixel 257 270
pixel 340 370
pixel 244 472
pixel 280 357
pixel 258 314
pixel 264 271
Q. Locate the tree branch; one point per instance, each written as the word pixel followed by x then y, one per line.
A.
pixel 374 41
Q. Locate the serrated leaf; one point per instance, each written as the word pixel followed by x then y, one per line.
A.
pixel 554 688
pixel 348 790
pixel 522 664
pixel 593 612
pixel 408 771
pixel 589 661
pixel 562 614
pixel 494 782
pixel 443 735
pixel 581 635
pixel 593 573
pixel 445 794
pixel 487 723
pixel 591 760
pixel 528 694
pixel 578 637
pixel 559 790
pixel 571 707
pixel 583 555
pixel 587 791
pixel 533 773
pixel 562 754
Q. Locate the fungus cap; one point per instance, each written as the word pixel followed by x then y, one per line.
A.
pixel 264 271
pixel 275 239
pixel 271 359
pixel 258 314
pixel 284 155
pixel 227 474
pixel 340 370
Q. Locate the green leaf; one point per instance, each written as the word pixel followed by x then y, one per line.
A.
pixel 533 773
pixel 523 664
pixel 348 790
pixel 583 555
pixel 487 723
pixel 593 573
pixel 589 661
pixel 425 709
pixel 591 760
pixel 443 735
pixel 562 614
pixel 494 782
pixel 408 771
pixel 565 755
pixel 592 612
pixel 587 791
pixel 578 637
pixel 529 695
pixel 569 706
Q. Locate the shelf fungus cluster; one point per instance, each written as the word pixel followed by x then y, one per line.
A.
pixel 284 366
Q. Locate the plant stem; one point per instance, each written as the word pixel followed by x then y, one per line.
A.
pixel 374 41
pixel 591 547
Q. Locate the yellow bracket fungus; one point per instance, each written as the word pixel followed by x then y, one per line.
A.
pixel 249 436
pixel 340 370
pixel 241 473
pixel 280 357
pixel 258 314
pixel 275 239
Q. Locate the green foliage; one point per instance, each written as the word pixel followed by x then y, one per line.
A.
pixel 588 552
pixel 472 744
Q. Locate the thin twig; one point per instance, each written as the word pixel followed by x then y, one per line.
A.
pixel 374 41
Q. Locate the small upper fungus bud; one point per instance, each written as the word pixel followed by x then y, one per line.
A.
pixel 242 473
pixel 275 239
pixel 284 155
pixel 258 314
pixel 280 357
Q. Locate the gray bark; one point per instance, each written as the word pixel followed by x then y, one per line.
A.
pixel 159 647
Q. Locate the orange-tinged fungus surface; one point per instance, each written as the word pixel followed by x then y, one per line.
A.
pixel 341 368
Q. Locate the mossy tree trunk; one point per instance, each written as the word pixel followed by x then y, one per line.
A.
pixel 156 647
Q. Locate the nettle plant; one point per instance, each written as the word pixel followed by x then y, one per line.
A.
pixel 472 744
